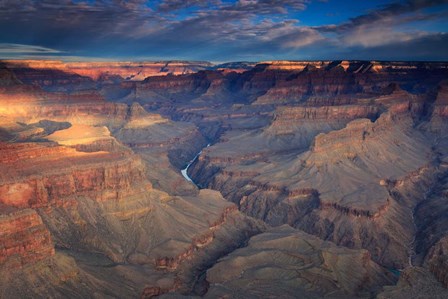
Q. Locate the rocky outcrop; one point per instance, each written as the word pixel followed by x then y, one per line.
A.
pixel 57 179
pixel 152 292
pixel 32 106
pixel 441 103
pixel 229 233
pixel 24 239
pixel 327 113
pixel 415 282
pixel 198 242
pixel 37 176
pixel 302 124
pixel 437 260
pixel 51 75
pixel 295 264
pixel 431 222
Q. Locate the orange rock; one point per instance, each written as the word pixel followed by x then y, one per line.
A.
pixel 23 237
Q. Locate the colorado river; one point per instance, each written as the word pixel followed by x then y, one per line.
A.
pixel 184 171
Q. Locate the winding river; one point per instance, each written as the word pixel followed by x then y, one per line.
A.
pixel 184 171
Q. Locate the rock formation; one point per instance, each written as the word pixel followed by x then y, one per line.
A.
pixel 329 179
pixel 289 263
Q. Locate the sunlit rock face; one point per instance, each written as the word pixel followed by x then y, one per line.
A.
pixel 35 70
pixel 25 239
pixel 314 179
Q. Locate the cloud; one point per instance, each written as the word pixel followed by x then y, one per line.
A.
pixel 386 25
pixel 427 47
pixel 394 13
pixel 199 29
pixel 377 34
pixel 6 48
pixel 269 6
pixel 52 20
pixel 173 5
pixel 288 35
pixel 242 6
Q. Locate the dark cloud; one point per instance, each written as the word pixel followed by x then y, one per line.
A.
pixel 389 12
pixel 268 6
pixel 74 26
pixel 242 6
pixel 213 30
pixel 173 5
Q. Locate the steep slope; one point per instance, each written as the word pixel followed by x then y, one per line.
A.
pixel 415 282
pixel 289 263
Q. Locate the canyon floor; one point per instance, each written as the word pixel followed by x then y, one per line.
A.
pixel 279 179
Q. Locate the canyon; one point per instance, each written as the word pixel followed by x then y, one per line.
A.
pixel 279 179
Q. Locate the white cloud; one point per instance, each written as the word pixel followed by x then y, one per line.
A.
pixel 8 48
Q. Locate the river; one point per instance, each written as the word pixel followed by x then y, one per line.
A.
pixel 184 171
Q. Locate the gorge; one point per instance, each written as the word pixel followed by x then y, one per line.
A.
pixel 177 179
pixel 184 171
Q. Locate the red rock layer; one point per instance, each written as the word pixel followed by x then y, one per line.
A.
pixel 326 112
pixel 23 238
pixel 286 119
pixel 126 70
pixel 36 176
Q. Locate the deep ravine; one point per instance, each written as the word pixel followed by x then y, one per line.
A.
pixel 185 170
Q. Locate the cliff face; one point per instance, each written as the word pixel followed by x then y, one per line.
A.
pixel 48 71
pixel 49 178
pixel 437 260
pixel 415 282
pixel 24 238
pixel 30 105
pixel 432 236
pixel 440 109
pixel 301 124
pixel 36 176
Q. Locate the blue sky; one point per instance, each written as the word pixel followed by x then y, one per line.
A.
pixel 224 30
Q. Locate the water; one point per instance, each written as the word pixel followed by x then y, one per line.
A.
pixel 184 171
pixel 395 272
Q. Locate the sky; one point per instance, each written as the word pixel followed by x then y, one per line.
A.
pixel 224 30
